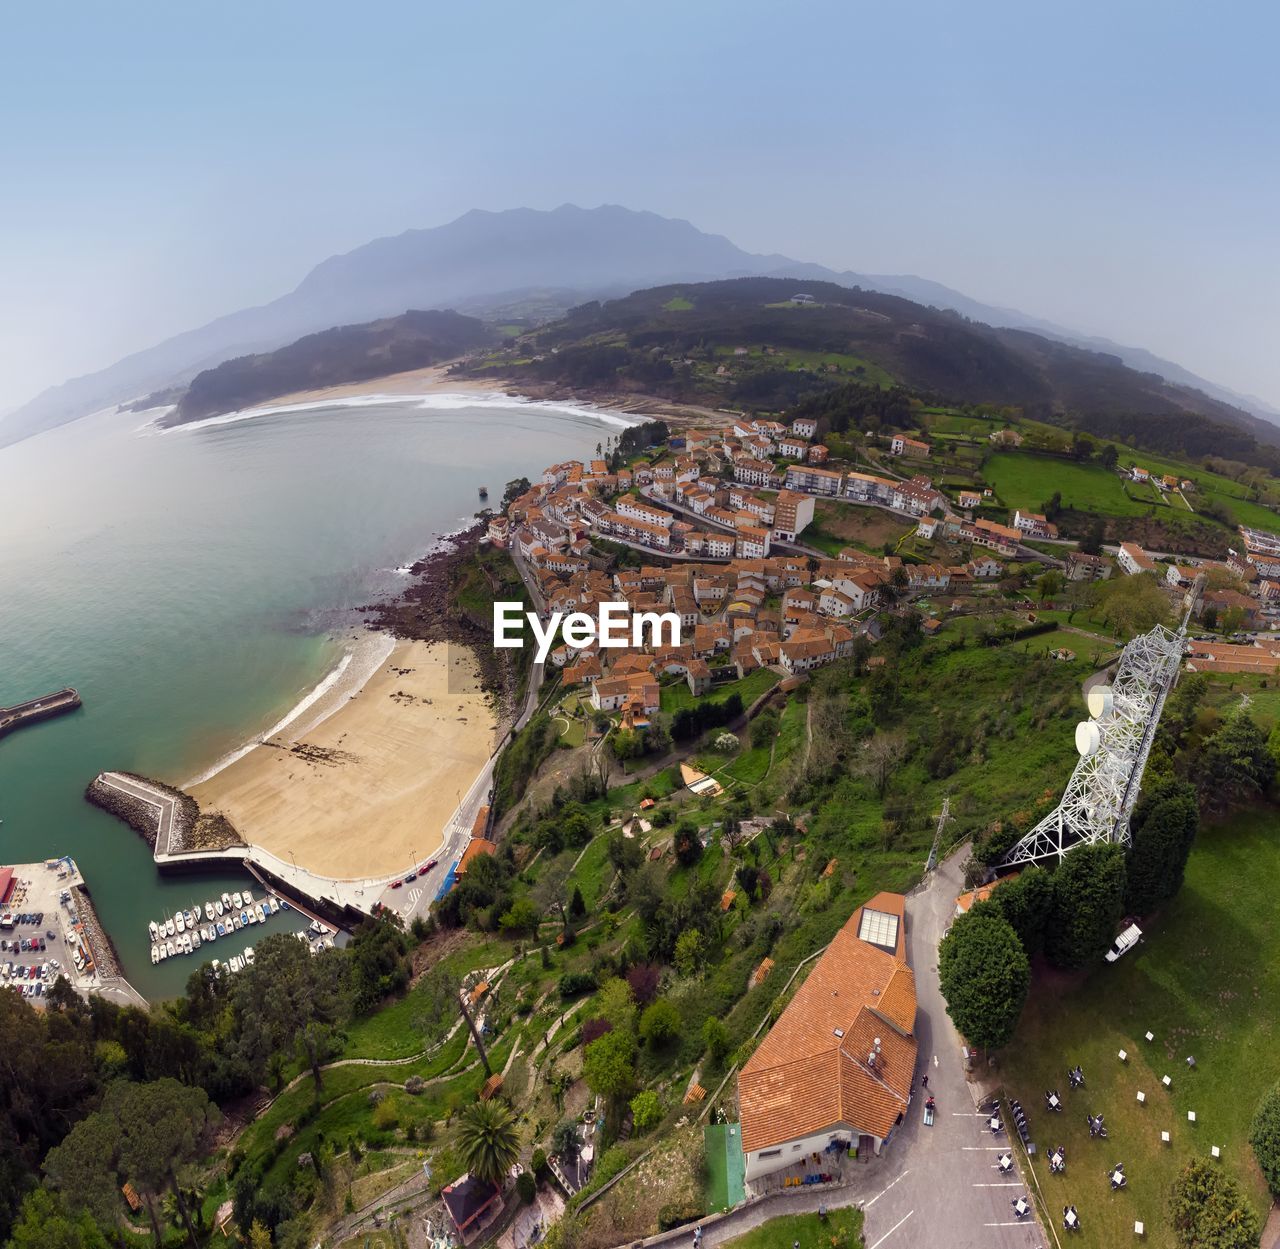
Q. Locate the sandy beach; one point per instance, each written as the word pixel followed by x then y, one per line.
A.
pixel 428 381
pixel 368 789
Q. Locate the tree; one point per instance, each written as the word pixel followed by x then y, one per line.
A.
pixel 565 1142
pixel 646 1110
pixel 608 1065
pixel 688 845
pixel 145 1132
pixel 521 918
pixel 625 853
pixel 659 1024
pixel 514 490
pixel 1235 764
pixel 715 1036
pixel 1209 1211
pixel 1049 584
pixel 617 1004
pixel 1088 901
pixel 577 906
pixel 880 755
pixel 984 977
pixel 1264 1136
pixel 488 1140
pixel 691 949
pixel 526 1187
pixel 45 1224
pixel 1131 604
pixel 1162 830
pixel 259 1236
pixel 289 1001
pixel 1024 901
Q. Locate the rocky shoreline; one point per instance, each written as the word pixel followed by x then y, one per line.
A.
pixel 426 611
pixel 106 961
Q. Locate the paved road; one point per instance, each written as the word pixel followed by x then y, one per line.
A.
pixel 931 1188
pixel 164 805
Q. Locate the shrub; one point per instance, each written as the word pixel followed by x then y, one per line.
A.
pixel 538 1162
pixel 527 1187
pixel 646 1110
pixel 1264 1136
pixel 1208 1208
pixel 414 1085
pixel 576 983
pixel 385 1115
pixel 659 1024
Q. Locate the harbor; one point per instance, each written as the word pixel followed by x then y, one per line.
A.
pixel 199 927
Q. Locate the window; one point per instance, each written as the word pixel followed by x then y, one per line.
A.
pixel 770 1153
pixel 879 929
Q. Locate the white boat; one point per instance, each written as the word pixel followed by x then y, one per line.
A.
pixel 226 901
pixel 186 943
pixel 217 906
pixel 180 920
pixel 248 898
pixel 208 910
pixel 195 939
pixel 260 913
pixel 237 923
pixel 248 954
pixel 237 900
pixel 217 967
pixel 154 929
pixel 210 933
pixel 251 916
pixel 169 949
pixel 169 929
pixel 155 955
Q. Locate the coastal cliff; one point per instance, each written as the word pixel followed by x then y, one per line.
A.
pixel 449 599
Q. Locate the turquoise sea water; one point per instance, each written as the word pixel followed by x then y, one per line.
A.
pixel 197 584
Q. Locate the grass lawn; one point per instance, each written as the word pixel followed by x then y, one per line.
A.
pixel 837 525
pixel 677 303
pixel 593 873
pixel 1023 480
pixel 1087 650
pixel 676 697
pixel 841 1227
pixel 1227 689
pixel 1204 982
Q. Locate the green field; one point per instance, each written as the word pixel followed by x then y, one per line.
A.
pixel 1204 981
pixel 1023 480
pixel 676 697
pixel 839 1229
pixel 1087 650
pixel 677 303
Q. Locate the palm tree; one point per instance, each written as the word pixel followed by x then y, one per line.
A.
pixel 489 1140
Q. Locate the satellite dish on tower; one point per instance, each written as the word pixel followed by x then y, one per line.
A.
pixel 1088 738
pixel 1100 701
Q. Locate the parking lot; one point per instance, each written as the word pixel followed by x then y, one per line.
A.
pixel 36 942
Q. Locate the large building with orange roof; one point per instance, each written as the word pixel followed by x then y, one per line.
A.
pixel 838 1064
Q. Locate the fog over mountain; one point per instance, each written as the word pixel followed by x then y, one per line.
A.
pixel 485 262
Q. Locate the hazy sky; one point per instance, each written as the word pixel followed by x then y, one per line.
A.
pixel 1112 167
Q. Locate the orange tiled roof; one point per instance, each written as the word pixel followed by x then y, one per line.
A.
pixel 811 1072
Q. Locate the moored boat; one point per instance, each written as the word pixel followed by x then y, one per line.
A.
pixel 226 902
pixel 237 900
pixel 248 898
pixel 260 913
pixel 154 929
pixel 208 910
pixel 248 954
pixel 170 949
pixel 155 956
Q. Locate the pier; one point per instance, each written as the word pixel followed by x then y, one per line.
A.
pixel 36 709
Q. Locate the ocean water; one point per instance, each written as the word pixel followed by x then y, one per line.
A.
pixel 195 585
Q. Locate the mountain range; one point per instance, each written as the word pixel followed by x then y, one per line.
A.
pixel 490 263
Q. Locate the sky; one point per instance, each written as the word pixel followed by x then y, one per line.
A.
pixel 1110 167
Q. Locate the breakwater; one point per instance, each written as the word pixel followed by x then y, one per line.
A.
pixel 106 961
pixel 37 709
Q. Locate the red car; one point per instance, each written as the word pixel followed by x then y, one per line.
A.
pixel 395 884
pixel 428 865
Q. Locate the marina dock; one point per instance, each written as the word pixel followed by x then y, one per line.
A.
pixel 36 709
